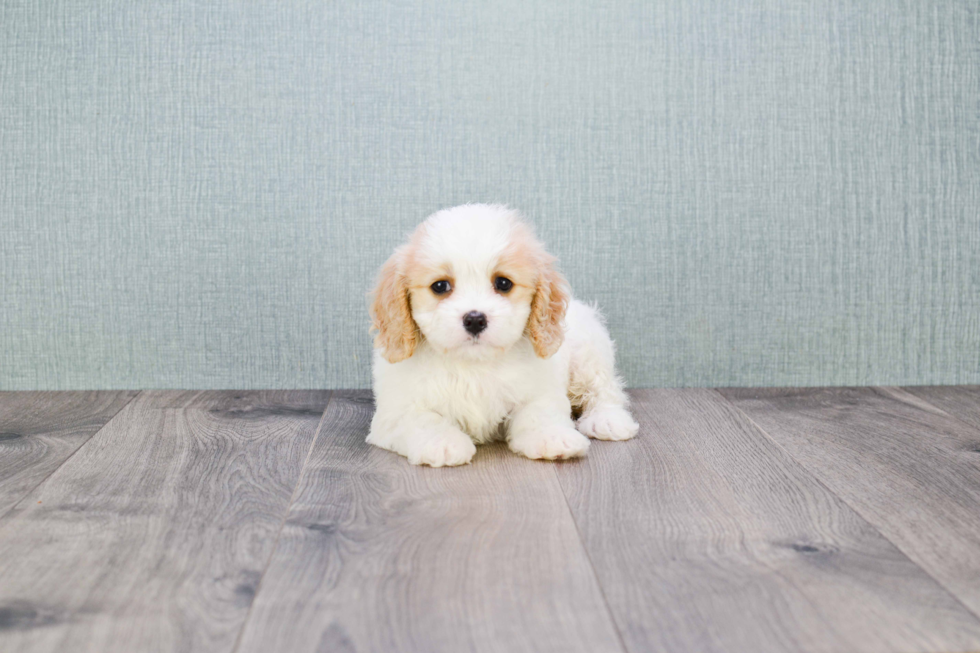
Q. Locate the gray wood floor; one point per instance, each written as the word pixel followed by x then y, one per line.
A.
pixel 827 519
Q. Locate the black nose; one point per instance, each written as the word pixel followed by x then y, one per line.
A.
pixel 474 322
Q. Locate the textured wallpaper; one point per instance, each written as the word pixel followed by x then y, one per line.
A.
pixel 765 192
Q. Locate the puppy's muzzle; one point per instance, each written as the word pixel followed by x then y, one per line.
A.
pixel 474 322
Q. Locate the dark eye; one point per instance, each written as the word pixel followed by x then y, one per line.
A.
pixel 441 287
pixel 503 284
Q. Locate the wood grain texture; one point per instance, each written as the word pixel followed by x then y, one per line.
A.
pixel 40 430
pixel 153 536
pixel 378 555
pixel 908 468
pixel 707 537
pixel 962 401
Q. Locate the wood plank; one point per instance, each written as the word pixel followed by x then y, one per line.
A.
pixel 908 468
pixel 707 537
pixel 962 401
pixel 40 430
pixel 153 536
pixel 380 555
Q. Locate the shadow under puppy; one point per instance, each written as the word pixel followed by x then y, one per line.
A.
pixel 478 339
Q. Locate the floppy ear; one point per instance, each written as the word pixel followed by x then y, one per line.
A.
pixel 391 312
pixel 545 326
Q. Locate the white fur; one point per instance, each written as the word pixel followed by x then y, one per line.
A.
pixel 455 390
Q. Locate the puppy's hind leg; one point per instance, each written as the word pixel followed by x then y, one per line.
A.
pixel 594 387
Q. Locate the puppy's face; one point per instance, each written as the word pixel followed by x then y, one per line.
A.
pixel 472 281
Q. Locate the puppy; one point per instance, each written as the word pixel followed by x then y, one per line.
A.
pixel 478 339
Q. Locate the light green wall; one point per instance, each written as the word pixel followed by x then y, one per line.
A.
pixel 763 192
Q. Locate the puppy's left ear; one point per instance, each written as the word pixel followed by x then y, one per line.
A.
pixel 545 326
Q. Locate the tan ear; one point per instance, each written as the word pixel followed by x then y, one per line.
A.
pixel 391 311
pixel 545 326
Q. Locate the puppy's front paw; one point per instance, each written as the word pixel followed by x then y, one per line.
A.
pixel 608 423
pixel 443 450
pixel 553 443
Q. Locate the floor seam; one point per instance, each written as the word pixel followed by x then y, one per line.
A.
pixel 588 557
pixel 282 524
pixel 847 503
pixel 3 516
pixel 952 416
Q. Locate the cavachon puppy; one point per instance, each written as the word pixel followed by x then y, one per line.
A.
pixel 479 339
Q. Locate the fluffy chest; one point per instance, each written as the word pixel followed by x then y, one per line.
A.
pixel 479 398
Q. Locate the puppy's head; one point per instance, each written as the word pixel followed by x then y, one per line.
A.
pixel 472 281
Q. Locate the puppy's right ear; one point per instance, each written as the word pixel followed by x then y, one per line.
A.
pixel 391 312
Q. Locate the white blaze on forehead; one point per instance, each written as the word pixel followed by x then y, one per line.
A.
pixel 467 245
pixel 469 238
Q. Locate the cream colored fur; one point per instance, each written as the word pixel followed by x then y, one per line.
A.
pixel 439 390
